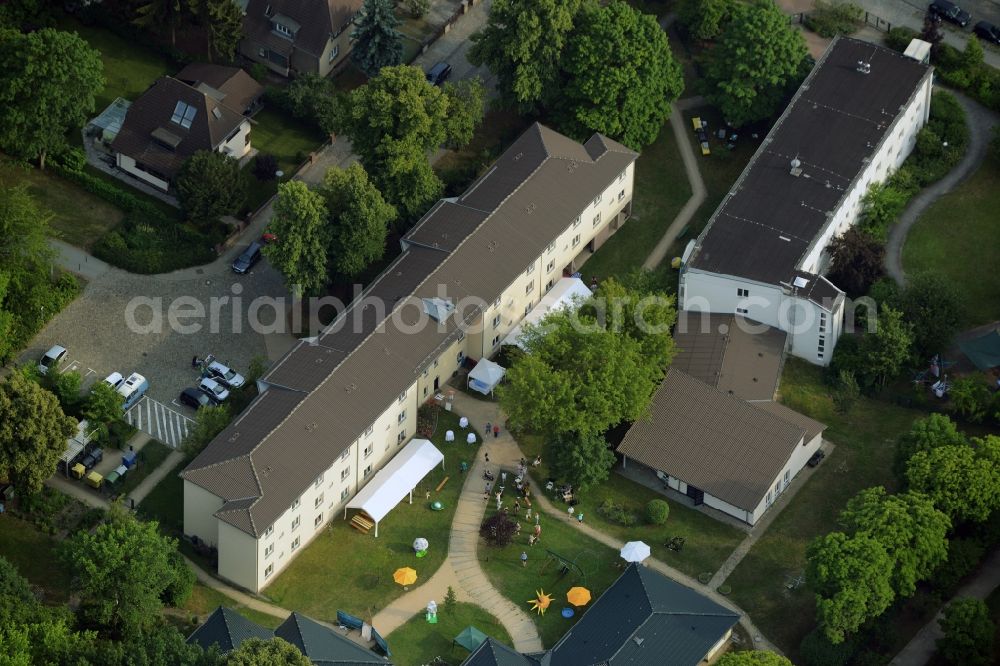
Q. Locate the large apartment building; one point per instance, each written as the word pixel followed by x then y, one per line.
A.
pixel 336 408
pixel 763 253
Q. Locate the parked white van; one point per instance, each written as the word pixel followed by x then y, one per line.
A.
pixel 133 389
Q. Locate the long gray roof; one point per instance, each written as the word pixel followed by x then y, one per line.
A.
pixel 227 629
pixel 834 124
pixel 323 395
pixel 728 447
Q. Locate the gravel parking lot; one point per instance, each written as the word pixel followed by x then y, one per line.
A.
pixel 96 332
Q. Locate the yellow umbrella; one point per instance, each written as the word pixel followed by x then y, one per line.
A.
pixel 405 576
pixel 578 596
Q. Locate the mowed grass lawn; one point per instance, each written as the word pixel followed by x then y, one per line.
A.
pixel 128 68
pixel 34 555
pixel 600 565
pixel 78 217
pixel 165 503
pixel 417 642
pixel 347 570
pixel 204 600
pixel 959 236
pixel 661 190
pixel 709 541
pixel 865 440
pixel 288 139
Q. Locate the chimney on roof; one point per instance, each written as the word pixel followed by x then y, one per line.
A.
pixel 796 169
pixel 864 67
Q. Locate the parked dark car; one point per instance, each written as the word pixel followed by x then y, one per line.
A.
pixel 95 456
pixel 194 398
pixel 246 261
pixel 987 32
pixel 816 459
pixel 950 12
pixel 439 73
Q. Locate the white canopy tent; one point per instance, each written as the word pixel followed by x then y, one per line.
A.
pixel 568 292
pixel 396 480
pixel 485 376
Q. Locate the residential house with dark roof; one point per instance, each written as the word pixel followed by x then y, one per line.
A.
pixel 643 619
pixel 206 107
pixel 298 36
pixel 336 409
pixel 718 449
pixel 227 629
pixel 853 121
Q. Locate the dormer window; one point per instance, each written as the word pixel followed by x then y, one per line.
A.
pixel 283 29
pixel 268 12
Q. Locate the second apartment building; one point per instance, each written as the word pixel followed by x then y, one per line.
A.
pixel 335 409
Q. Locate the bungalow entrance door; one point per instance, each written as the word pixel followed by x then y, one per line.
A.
pixel 696 494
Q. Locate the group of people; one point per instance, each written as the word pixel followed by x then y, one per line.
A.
pixel 491 427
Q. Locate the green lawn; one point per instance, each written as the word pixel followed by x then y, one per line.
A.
pixel 344 569
pixel 417 642
pixel 128 68
pixel 600 565
pixel 865 441
pixel 709 542
pixel 204 600
pixel 78 217
pixel 957 236
pixel 34 555
pixel 661 190
pixel 286 138
pixel 150 457
pixel 165 503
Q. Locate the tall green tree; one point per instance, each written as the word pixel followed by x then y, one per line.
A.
pixel 577 377
pixel 273 652
pixel 300 223
pixel 103 406
pixel 33 432
pixel 912 531
pixel 888 348
pixel 18 604
pixel 47 88
pixel 619 76
pixel 926 433
pixel 157 14
pixel 852 580
pixel 224 27
pixel 377 42
pixel 210 185
pixel 359 217
pixel 757 59
pixel 646 316
pixel 522 44
pixel 584 460
pixel 937 309
pixel 960 483
pixel 120 571
pixel 969 633
pixel 395 120
pixel 209 421
pixel 753 658
pixel 24 247
pixel 703 19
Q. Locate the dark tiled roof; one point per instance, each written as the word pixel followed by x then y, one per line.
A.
pixel 730 353
pixel 644 618
pixel 238 89
pixel 492 652
pixel 836 121
pixel 323 645
pixel 347 394
pixel 318 20
pixel 212 123
pixel 728 447
pixel 817 289
pixel 227 629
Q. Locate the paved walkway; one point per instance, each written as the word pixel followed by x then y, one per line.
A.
pixel 981 122
pixel 922 647
pixel 505 451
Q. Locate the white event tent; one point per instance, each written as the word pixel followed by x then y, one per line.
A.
pixel 485 376
pixel 567 292
pixel 396 480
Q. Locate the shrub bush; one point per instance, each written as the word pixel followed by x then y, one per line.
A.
pixel 265 166
pixel 181 586
pixel 816 650
pixel 657 511
pixel 417 8
pixel 971 397
pixel 498 530
pixel 899 38
pixel 617 513
pixel 142 246
pixel 831 18
pixel 258 71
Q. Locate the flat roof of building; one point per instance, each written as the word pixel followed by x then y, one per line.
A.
pixel 832 127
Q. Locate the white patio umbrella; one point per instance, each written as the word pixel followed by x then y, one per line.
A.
pixel 420 544
pixel 635 551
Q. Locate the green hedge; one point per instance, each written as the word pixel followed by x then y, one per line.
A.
pixel 144 246
pixel 831 19
pixel 112 193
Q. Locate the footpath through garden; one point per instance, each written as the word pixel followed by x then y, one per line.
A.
pixel 504 451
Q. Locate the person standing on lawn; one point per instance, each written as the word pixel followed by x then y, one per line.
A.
pixel 524 558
